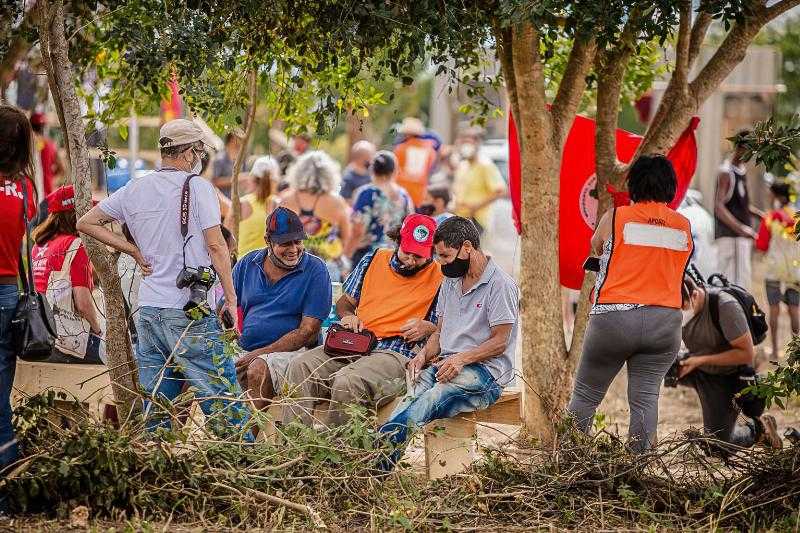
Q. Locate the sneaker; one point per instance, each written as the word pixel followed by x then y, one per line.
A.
pixel 770 437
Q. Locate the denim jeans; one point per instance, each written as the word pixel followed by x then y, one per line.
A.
pixel 472 389
pixel 9 296
pixel 198 361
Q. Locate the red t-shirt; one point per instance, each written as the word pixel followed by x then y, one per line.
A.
pixel 50 256
pixel 11 221
pixel 49 154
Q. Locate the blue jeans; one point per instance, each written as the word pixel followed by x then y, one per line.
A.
pixel 9 296
pixel 199 361
pixel 472 389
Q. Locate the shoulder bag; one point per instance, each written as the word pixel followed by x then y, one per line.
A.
pixel 33 328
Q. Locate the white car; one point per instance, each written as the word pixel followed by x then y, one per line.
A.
pixel 705 253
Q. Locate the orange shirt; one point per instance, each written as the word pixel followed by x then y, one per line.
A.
pixel 650 247
pixel 389 300
pixel 415 159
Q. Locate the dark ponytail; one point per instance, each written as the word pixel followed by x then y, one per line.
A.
pixel 16 144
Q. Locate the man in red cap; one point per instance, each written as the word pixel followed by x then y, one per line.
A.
pixel 470 357
pixel 392 293
pixel 52 167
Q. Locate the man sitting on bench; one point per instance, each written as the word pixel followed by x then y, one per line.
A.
pixel 284 293
pixel 391 293
pixel 470 357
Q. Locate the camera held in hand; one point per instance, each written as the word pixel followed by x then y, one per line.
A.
pixel 198 280
pixel 671 378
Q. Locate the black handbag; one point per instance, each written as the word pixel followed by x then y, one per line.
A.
pixel 33 327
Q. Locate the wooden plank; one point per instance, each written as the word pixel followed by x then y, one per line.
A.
pixel 89 384
pixel 450 445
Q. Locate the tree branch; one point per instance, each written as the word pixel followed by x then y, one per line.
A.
pixel 503 37
pixel 572 86
pixel 610 67
pixel 779 8
pixel 252 104
pixel 529 75
pixel 729 54
pixel 683 45
pixel 699 30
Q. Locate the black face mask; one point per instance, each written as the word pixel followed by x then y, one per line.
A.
pixel 403 270
pixel 426 209
pixel 456 268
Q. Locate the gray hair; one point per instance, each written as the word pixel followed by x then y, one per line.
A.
pixel 315 172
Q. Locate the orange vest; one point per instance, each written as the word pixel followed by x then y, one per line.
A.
pixel 415 159
pixel 389 300
pixel 650 247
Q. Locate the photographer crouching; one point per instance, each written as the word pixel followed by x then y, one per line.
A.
pixel 718 365
pixel 173 217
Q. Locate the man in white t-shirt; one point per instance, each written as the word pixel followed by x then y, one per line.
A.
pixel 173 350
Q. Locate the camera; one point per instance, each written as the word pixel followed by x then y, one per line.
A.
pixel 671 378
pixel 198 280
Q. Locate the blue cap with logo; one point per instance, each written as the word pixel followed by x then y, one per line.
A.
pixel 283 225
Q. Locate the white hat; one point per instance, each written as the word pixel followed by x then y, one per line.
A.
pixel 411 126
pixel 266 165
pixel 179 131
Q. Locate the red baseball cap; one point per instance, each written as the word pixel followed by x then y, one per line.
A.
pixel 38 119
pixel 416 235
pixel 62 199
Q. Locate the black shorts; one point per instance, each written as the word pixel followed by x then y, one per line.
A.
pixel 775 295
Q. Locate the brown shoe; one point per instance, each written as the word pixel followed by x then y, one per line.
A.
pixel 770 437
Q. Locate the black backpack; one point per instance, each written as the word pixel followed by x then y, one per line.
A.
pixel 756 319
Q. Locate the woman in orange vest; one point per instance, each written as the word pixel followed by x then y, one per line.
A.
pixel 636 317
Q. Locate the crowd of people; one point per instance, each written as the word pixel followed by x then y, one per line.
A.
pixel 303 227
pixel 401 230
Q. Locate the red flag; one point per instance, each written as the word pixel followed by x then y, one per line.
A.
pixel 578 200
pixel 173 107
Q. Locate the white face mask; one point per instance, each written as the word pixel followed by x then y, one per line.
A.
pixel 467 150
pixel 197 166
pixel 688 315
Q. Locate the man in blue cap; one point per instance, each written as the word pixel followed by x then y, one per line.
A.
pixel 284 294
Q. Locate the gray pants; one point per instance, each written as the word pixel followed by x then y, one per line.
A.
pixel 647 340
pixel 371 381
pixel 720 412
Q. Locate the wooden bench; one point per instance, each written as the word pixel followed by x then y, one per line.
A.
pixel 451 444
pixel 88 384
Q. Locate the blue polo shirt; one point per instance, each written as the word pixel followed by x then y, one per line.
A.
pixel 271 310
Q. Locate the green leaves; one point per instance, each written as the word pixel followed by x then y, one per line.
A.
pixel 771 143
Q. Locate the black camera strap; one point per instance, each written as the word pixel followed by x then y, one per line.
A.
pixel 185 200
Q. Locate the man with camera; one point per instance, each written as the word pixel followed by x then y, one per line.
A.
pixel 173 217
pixel 718 364
pixel 390 297
pixel 285 293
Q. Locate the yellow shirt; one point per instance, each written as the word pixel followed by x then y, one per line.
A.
pixel 476 182
pixel 252 228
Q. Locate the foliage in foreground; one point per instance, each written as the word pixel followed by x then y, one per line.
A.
pixel 316 479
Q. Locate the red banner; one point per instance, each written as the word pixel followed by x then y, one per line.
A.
pixel 578 202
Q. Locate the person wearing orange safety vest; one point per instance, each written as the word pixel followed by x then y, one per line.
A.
pixel 635 320
pixel 393 294
pixel 416 157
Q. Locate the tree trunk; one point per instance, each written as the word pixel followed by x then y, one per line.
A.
pixel 236 204
pixel 59 71
pixel 543 346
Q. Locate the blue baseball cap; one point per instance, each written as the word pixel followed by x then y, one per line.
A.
pixel 283 225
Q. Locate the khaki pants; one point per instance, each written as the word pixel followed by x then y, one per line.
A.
pixel 371 381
